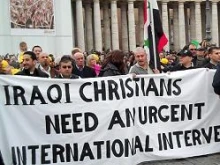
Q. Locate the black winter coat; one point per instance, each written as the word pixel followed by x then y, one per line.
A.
pixel 109 70
pixel 216 81
pixel 37 73
pixel 87 72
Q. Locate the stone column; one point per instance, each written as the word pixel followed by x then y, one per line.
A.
pixel 131 26
pixel 79 25
pixel 89 28
pixel 176 28
pixel 97 27
pixel 215 32
pixel 107 31
pixel 186 24
pixel 182 37
pixel 203 22
pixel 141 23
pixel 124 26
pixel 114 25
pixel 198 21
pixel 192 22
pixel 165 22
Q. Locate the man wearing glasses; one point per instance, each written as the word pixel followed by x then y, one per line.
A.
pixel 66 68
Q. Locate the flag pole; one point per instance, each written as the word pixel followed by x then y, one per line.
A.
pixel 153 34
pixel 146 42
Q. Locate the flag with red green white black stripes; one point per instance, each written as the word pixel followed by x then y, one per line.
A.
pixel 153 27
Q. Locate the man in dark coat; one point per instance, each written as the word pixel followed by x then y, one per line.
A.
pixel 214 55
pixel 80 68
pixel 29 63
pixel 216 81
pixel 185 61
pixel 65 68
pixel 201 60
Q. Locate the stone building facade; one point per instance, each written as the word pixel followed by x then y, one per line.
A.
pixel 113 24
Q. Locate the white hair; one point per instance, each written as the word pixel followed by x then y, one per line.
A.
pixel 139 49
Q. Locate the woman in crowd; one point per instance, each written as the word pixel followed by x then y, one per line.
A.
pixel 113 64
pixel 92 61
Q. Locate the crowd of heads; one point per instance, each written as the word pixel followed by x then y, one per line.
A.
pixel 192 56
pixel 110 63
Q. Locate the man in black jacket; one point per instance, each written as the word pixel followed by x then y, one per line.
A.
pixel 216 81
pixel 80 68
pixel 65 68
pixel 214 55
pixel 29 63
pixel 185 61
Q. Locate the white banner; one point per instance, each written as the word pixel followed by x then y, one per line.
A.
pixel 111 121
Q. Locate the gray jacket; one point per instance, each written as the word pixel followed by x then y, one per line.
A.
pixel 137 69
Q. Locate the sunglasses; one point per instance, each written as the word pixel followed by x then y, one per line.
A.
pixel 192 49
pixel 64 67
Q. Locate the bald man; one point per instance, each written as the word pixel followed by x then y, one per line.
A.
pixel 80 68
pixel 44 65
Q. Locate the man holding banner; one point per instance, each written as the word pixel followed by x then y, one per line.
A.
pixel 141 67
pixel 216 81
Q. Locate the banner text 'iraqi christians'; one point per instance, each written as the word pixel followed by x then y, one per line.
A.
pixel 103 90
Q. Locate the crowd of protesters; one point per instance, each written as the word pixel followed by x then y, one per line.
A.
pixel 111 63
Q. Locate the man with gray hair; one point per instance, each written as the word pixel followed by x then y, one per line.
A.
pixel 141 67
pixel 80 68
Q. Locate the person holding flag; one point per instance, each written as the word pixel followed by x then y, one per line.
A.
pixel 154 37
pixel 141 67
